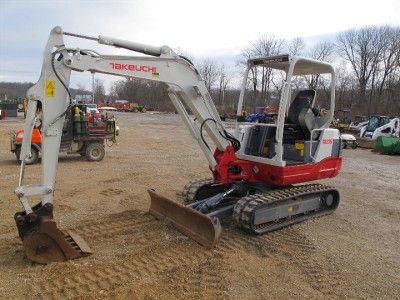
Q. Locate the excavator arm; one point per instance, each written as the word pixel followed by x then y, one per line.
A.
pixel 42 240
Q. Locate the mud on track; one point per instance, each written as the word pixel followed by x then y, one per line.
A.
pixel 352 253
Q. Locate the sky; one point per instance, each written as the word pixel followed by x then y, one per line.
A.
pixel 203 29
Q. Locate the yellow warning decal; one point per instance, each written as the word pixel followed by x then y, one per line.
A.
pixel 290 209
pixel 300 146
pixel 50 88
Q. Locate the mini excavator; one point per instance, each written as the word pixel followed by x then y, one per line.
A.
pixel 257 170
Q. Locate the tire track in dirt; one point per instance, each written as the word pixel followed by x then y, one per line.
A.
pixel 321 271
pixel 196 281
pixel 289 244
pixel 129 271
pixel 9 243
pixel 150 257
pixel 283 244
pixel 111 192
pixel 116 224
pixel 212 284
pixel 151 254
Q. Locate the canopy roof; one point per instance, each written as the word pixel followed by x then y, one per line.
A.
pixel 303 66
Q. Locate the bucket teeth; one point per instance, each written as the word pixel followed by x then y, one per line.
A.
pixel 44 242
pixel 200 227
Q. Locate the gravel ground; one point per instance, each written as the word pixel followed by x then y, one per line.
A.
pixel 353 253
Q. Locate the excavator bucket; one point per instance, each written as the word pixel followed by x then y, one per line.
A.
pixel 200 227
pixel 44 242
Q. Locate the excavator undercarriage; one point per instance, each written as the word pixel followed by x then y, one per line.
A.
pixel 256 209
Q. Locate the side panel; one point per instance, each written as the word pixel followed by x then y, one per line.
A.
pixel 283 176
pixel 231 169
pixel 329 144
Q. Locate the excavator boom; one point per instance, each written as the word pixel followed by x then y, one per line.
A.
pixel 42 240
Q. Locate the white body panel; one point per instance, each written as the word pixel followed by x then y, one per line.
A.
pixel 327 140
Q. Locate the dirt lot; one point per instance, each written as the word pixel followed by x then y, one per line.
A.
pixel 353 253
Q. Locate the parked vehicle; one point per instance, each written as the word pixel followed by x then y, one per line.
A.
pixel 79 135
pixel 263 114
pixel 91 108
pixel 380 126
pixel 107 109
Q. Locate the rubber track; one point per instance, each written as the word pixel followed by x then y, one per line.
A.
pixel 245 207
pixel 191 188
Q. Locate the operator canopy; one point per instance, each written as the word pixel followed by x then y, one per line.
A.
pixel 303 66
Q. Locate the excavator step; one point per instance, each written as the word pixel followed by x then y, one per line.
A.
pixel 203 229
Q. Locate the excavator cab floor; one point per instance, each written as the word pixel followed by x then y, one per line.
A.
pixel 43 242
pixel 203 229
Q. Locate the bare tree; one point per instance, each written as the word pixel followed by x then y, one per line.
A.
pixel 296 46
pixel 390 59
pixel 344 85
pixel 363 50
pixel 224 79
pixel 261 78
pixel 150 93
pixel 321 51
pixel 14 90
pixel 209 72
pixel 99 91
pixel 267 46
pixel 245 55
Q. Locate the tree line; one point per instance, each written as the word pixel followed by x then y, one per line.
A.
pixel 366 60
pixel 16 91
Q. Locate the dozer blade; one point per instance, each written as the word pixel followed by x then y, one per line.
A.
pixel 44 242
pixel 200 227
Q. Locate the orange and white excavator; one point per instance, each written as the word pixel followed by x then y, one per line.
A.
pixel 256 171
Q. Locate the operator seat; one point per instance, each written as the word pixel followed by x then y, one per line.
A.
pixel 302 113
